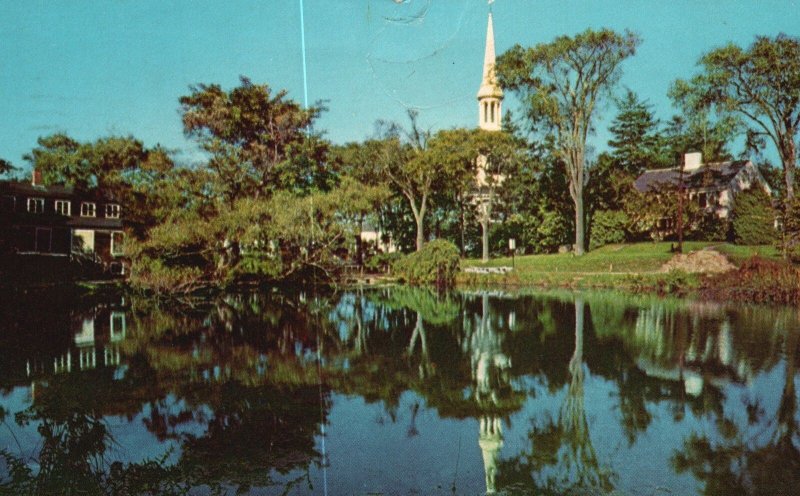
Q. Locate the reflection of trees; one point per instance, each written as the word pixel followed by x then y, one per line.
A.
pixel 562 458
pixel 760 458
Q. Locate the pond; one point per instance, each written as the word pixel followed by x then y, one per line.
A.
pixel 398 391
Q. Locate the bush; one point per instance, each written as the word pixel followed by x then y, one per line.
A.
pixel 754 218
pixel 757 280
pixel 381 262
pixel 153 275
pixel 553 231
pixel 437 263
pixel 608 227
pixel 710 227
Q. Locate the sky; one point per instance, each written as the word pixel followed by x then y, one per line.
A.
pixel 117 67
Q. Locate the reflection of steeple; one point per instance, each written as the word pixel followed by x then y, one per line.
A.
pixel 490 439
pixel 488 359
pixel 489 364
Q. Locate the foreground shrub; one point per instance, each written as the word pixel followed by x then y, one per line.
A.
pixel 437 263
pixel 153 275
pixel 382 262
pixel 757 280
pixel 711 227
pixel 754 218
pixel 608 227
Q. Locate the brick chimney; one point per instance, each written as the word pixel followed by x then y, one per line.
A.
pixel 36 177
pixel 692 161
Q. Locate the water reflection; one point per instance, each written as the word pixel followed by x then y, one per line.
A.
pixel 567 393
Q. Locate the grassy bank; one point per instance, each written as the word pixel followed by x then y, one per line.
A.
pixel 628 266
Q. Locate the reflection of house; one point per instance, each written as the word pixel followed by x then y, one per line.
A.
pixel 60 221
pixel 704 353
pixel 101 329
pixel 712 186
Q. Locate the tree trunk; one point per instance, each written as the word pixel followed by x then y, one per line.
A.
pixel 420 233
pixel 461 227
pixel 419 215
pixel 579 226
pixel 789 162
pixel 485 239
pixel 359 243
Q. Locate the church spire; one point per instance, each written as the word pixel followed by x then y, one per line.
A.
pixel 490 95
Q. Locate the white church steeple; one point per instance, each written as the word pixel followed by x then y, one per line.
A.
pixel 490 95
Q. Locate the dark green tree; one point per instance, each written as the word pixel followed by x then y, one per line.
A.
pixel 635 145
pixel 259 141
pixel 6 167
pixel 754 218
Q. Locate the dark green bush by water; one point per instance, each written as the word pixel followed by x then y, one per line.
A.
pixel 437 263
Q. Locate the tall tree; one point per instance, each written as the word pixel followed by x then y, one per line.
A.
pixel 104 163
pixel 259 140
pixel 401 157
pixel 760 84
pixel 635 144
pixel 562 83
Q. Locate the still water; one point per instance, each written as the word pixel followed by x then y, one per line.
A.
pixel 398 391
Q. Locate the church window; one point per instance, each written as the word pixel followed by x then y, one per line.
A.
pixel 492 110
pixel 485 112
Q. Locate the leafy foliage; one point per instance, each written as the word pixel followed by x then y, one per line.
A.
pixel 561 83
pixel 258 140
pixel 635 142
pixel 754 218
pixel 436 264
pixel 760 84
pixel 608 227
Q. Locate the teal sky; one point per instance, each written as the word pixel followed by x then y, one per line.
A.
pixel 95 68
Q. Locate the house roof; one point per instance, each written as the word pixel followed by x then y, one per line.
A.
pixel 53 191
pixel 711 176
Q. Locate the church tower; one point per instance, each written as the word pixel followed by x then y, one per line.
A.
pixel 490 95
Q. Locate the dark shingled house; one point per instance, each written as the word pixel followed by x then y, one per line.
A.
pixel 713 186
pixel 59 221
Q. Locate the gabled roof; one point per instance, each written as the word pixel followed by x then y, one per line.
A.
pixel 711 176
pixel 54 191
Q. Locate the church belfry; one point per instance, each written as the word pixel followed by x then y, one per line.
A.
pixel 490 95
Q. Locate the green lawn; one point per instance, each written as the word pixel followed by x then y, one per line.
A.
pixel 626 265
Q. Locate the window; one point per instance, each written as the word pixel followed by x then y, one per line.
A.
pixel 116 242
pixel 8 203
pixel 702 199
pixel 88 209
pixel 491 107
pixel 36 205
pixel 82 241
pixel 485 112
pixel 112 211
pixel 63 207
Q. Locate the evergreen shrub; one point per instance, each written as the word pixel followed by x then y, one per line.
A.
pixel 754 218
pixel 711 227
pixel 608 227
